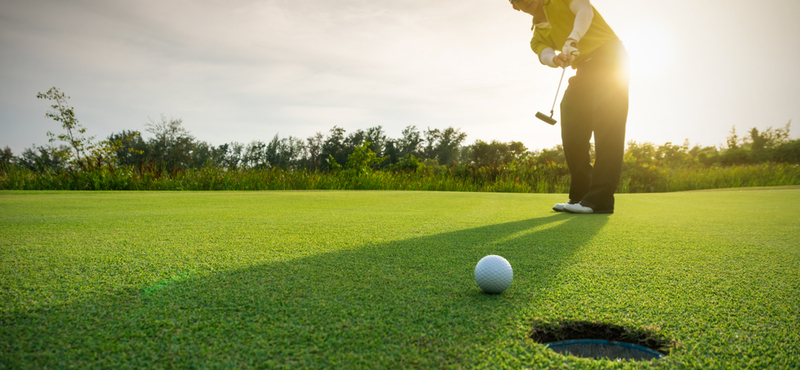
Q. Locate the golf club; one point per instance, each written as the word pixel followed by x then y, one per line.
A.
pixel 550 119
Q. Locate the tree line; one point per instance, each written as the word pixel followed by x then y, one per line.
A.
pixel 173 148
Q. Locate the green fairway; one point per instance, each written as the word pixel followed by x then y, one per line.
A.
pixel 382 279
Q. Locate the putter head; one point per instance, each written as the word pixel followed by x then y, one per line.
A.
pixel 545 118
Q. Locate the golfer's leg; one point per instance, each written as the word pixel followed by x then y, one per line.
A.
pixel 610 117
pixel 576 132
pixel 609 140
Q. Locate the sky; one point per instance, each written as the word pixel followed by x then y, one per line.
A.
pixel 247 70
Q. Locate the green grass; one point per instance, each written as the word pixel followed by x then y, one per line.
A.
pixel 384 279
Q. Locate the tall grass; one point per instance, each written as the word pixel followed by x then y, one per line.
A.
pixel 715 177
pixel 549 178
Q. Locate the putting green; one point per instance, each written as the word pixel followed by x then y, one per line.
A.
pixel 384 279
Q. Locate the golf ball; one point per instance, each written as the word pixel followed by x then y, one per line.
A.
pixel 493 274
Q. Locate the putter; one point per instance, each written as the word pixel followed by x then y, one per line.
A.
pixel 550 119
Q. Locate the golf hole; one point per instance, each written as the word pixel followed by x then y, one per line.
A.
pixel 601 340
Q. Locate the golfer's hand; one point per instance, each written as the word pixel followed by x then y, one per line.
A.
pixel 570 50
pixel 561 60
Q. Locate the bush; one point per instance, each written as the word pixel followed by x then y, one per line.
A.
pixel 788 152
pixel 408 163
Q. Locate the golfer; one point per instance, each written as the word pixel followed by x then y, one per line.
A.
pixel 572 33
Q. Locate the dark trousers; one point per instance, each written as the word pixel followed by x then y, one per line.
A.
pixel 596 101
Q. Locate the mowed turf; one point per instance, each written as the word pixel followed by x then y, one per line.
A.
pixel 385 279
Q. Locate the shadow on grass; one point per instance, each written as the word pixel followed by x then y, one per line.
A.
pixel 409 303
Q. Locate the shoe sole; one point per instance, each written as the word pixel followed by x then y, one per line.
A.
pixel 593 213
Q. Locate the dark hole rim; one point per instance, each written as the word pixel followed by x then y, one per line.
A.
pixel 546 332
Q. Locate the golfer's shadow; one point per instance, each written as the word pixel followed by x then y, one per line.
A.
pixel 409 289
pixel 539 248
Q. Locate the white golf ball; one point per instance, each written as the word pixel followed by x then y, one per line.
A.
pixel 493 274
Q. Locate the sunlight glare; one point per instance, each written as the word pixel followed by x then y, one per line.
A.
pixel 650 49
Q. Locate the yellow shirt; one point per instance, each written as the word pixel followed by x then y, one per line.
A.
pixel 562 20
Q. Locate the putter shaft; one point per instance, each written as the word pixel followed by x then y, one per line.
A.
pixel 557 90
pixel 550 120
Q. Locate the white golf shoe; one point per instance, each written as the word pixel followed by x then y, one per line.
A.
pixel 577 208
pixel 561 207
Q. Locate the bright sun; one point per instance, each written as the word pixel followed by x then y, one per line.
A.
pixel 650 49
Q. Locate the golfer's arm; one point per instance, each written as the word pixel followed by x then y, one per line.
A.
pixel 546 57
pixel 583 18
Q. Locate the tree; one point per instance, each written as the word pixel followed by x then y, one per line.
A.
pixel 231 155
pixel 673 155
pixel 553 155
pixel 255 155
pixel 363 159
pixel 431 138
pixel 132 149
pixel 481 154
pixel 391 152
pixel 769 138
pixel 334 148
pixel 100 154
pixel 733 140
pixel 644 153
pixel 735 152
pixel 294 151
pixel 517 150
pixel 410 143
pixel 377 140
pixel 314 146
pixel 788 152
pixel 47 159
pixel 704 155
pixel 447 149
pixel 6 157
pixel 66 115
pixel 495 154
pixel 205 154
pixel 285 153
pixel 172 144
pixel 352 141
